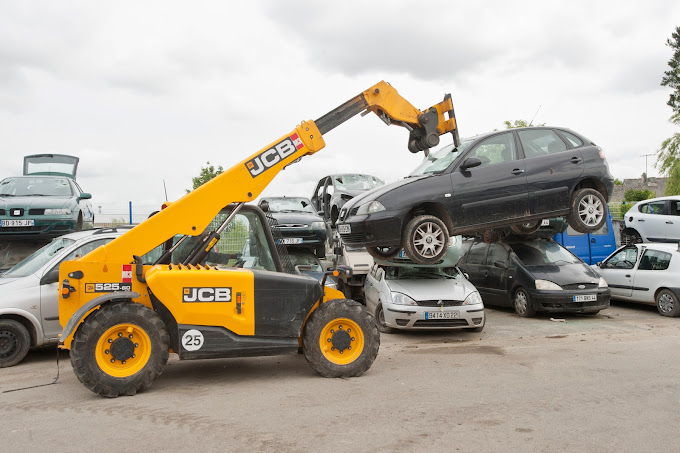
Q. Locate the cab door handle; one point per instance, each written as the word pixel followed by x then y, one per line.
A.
pixel 517 171
pixel 575 160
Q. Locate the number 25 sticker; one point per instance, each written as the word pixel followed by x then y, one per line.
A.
pixel 192 340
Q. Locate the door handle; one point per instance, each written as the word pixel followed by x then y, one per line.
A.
pixel 592 240
pixel 628 275
pixel 669 223
pixel 517 171
pixel 486 274
pixel 575 160
pixel 641 220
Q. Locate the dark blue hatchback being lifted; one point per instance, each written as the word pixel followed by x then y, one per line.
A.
pixel 510 178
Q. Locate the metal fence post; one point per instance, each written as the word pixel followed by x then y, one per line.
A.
pixel 130 204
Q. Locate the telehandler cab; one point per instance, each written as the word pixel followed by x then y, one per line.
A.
pixel 220 289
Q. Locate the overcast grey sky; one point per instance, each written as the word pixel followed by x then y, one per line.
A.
pixel 149 91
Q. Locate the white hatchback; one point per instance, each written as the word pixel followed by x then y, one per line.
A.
pixel 422 298
pixel 654 220
pixel 648 273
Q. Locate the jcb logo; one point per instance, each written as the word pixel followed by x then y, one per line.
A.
pixel 206 295
pixel 273 155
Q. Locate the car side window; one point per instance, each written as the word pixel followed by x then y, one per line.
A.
pixel 539 142
pixel 82 251
pixel 495 150
pixel 477 253
pixel 623 259
pixel 655 207
pixel 574 140
pixel 674 207
pixel 654 260
pixel 496 253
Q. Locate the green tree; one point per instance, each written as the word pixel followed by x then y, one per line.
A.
pixel 638 195
pixel 668 158
pixel 519 123
pixel 618 182
pixel 206 174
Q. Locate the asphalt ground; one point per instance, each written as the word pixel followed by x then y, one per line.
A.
pixel 605 383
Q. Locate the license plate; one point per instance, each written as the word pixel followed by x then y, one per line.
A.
pixel 290 241
pixel 586 298
pixel 18 223
pixel 344 229
pixel 442 315
pixel 545 222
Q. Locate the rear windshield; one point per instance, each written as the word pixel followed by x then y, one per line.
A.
pixel 357 182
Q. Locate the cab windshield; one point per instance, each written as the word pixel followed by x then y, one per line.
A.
pixel 438 162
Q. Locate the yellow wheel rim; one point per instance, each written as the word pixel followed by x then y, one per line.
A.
pixel 341 341
pixel 123 350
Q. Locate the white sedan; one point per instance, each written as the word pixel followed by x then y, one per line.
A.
pixel 422 298
pixel 648 273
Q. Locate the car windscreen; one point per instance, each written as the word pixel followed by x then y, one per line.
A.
pixel 290 205
pixel 404 272
pixel 540 253
pixel 440 161
pixel 357 182
pixel 35 187
pixel 309 261
pixel 36 260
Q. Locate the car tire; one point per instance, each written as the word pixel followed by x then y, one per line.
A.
pixel 526 228
pixel 631 238
pixel 129 373
pixel 383 253
pixel 588 211
pixel 667 303
pixel 426 239
pixel 79 222
pixel 380 320
pixel 333 329
pixel 522 304
pixel 14 342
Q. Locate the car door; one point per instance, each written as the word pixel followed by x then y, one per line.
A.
pixel 84 202
pixel 494 191
pixel 602 242
pixel 551 169
pixel 317 200
pixel 577 243
pixel 498 274
pixel 371 290
pixel 618 271
pixel 651 221
pixel 672 221
pixel 49 288
pixel 649 275
pixel 474 267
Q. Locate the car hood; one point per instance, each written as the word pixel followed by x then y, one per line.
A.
pixel 565 275
pixel 430 289
pixel 295 217
pixel 34 202
pixel 378 191
pixel 15 283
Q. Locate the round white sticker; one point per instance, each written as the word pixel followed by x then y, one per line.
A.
pixel 192 340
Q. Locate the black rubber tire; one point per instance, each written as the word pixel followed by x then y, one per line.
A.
pixel 384 253
pixel 380 320
pixel 592 199
pixel 667 303
pixel 414 231
pixel 527 227
pixel 14 342
pixel 325 314
pixel 79 222
pixel 522 304
pixel 83 349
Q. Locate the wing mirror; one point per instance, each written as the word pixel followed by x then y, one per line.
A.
pixel 470 162
pixel 50 277
pixel 85 196
pixel 264 205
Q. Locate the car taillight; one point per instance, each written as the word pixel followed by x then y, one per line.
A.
pixel 601 154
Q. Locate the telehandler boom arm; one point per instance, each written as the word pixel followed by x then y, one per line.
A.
pixel 246 180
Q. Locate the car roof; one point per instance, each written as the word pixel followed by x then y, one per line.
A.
pixel 671 197
pixel 78 235
pixel 664 246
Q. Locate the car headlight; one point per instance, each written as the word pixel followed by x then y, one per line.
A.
pixel 57 212
pixel 318 226
pixel 473 299
pixel 402 299
pixel 603 283
pixel 545 284
pixel 370 207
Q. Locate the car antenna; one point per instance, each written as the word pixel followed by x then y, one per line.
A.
pixel 165 189
pixel 532 119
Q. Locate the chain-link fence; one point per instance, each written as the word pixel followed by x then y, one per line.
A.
pixel 618 210
pixel 113 213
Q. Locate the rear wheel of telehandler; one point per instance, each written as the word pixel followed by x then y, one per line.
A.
pixel 120 349
pixel 341 339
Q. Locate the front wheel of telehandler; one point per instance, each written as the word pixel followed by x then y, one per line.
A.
pixel 120 349
pixel 341 339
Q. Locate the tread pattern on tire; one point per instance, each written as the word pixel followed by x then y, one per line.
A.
pixel 573 218
pixel 340 308
pixel 83 356
pixel 23 339
pixel 383 256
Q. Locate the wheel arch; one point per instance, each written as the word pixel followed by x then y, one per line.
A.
pixel 79 315
pixel 430 208
pixel 675 291
pixel 29 321
pixel 592 183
